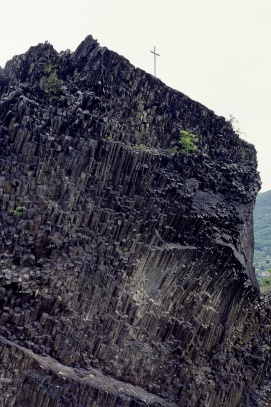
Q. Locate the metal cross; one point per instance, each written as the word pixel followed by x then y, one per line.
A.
pixel 154 54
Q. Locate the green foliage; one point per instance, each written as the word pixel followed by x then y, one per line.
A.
pixel 53 85
pixel 18 211
pixel 187 142
pixel 262 232
pixel 50 82
pixel 243 154
pixel 265 284
pixel 169 151
pixel 235 127
pixel 48 68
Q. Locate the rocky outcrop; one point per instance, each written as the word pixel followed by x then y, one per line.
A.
pixel 126 266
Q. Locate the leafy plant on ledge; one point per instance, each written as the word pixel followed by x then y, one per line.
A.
pixel 50 82
pixel 18 211
pixel 187 142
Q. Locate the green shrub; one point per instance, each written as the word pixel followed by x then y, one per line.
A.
pixel 50 83
pixel 18 211
pixel 187 142
pixel 48 68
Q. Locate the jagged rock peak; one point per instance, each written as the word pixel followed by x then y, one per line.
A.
pixel 86 47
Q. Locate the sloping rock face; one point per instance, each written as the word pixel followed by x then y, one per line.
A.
pixel 126 266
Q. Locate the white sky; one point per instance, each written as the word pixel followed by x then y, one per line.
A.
pixel 215 51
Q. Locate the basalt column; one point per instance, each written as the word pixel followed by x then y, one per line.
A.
pixel 126 264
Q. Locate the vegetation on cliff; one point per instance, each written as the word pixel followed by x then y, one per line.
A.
pixel 187 142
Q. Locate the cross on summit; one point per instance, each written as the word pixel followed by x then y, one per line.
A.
pixel 154 55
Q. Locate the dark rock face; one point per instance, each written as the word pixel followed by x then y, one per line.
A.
pixel 126 266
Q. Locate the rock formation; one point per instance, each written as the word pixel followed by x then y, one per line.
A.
pixel 126 265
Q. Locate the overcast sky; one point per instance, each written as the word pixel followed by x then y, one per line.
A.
pixel 215 51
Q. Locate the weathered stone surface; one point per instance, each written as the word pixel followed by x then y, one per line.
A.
pixel 118 252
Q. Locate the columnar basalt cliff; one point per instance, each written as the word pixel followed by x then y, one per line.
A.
pixel 126 266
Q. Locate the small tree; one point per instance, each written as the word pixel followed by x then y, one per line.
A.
pixel 53 85
pixel 49 82
pixel 187 142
